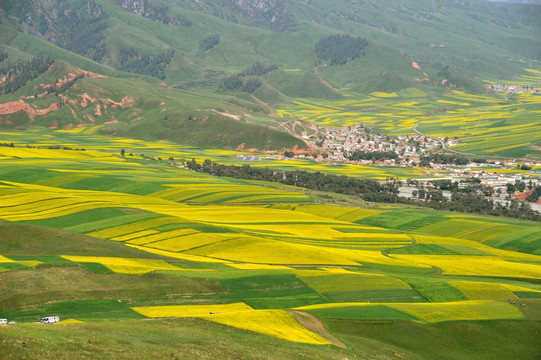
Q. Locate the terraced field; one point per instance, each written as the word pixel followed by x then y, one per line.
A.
pixel 503 124
pixel 130 238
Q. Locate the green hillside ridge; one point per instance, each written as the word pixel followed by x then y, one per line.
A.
pixel 444 29
pixel 132 107
pixel 414 48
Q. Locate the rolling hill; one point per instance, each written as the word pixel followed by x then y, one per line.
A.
pixel 154 67
pixel 140 259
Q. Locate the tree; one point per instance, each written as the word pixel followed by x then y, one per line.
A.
pixel 511 188
pixel 289 154
pixel 122 152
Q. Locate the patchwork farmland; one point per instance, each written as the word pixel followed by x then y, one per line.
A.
pixel 118 240
pixel 501 125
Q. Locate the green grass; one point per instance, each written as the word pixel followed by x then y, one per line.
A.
pixel 79 309
pixel 21 239
pixel 373 312
pixel 270 286
pixel 83 217
pixel 180 338
pixel 452 340
pixel 44 285
pixel 391 295
pixel 434 289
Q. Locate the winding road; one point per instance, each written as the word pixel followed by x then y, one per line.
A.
pixel 440 140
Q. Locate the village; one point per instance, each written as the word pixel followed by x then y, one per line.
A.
pixel 340 145
pixel 363 146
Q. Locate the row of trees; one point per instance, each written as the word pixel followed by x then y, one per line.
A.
pixel 18 74
pixel 246 80
pixel 535 194
pixel 132 61
pixel 66 85
pixel 463 200
pixel 239 82
pixel 374 156
pixel 367 189
pixel 439 158
pixel 209 42
pixel 340 49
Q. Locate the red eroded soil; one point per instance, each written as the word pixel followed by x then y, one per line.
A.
pixel 415 65
pixel 19 105
pixel 523 195
pixel 126 101
pixel 66 79
pixel 86 99
pixel 93 75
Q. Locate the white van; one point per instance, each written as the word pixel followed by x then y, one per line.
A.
pixel 3 321
pixel 49 319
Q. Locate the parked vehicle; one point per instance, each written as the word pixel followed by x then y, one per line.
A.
pixel 49 319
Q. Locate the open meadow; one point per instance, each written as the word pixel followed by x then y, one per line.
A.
pixel 127 249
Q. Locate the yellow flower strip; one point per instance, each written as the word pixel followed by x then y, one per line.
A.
pixel 460 310
pixel 439 312
pixel 182 256
pixel 125 265
pixel 474 265
pixel 277 323
pixel 190 310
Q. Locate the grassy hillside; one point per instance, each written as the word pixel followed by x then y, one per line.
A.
pixel 150 54
pixel 139 108
pixel 431 35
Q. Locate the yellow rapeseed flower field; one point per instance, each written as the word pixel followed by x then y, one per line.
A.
pixel 125 265
pixel 69 321
pixel 474 265
pixel 460 310
pixel 137 234
pixel 190 310
pixel 4 259
pixel 351 282
pixel 475 290
pixel 277 323
pixel 174 255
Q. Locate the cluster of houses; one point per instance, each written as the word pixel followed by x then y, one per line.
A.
pixel 339 144
pixel 514 88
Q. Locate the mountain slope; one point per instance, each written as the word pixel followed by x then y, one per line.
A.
pixel 118 32
pixel 167 62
